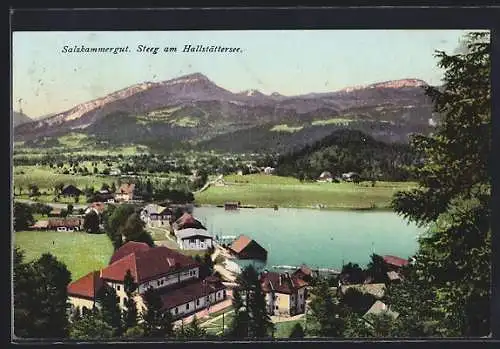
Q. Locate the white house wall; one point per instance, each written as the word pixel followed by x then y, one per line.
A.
pixel 170 279
pixel 196 245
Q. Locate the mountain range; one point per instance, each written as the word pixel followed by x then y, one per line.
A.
pixel 193 110
pixel 19 118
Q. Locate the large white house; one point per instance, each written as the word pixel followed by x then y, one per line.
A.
pixel 174 276
pixel 194 239
pixel 156 216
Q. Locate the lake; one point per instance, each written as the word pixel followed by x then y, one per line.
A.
pixel 320 239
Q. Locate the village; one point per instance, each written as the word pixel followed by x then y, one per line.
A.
pixel 186 290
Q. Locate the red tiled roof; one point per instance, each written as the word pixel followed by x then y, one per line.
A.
pixel 86 286
pixel 188 221
pixel 190 292
pixel 40 224
pixel 128 248
pixel 64 222
pixel 98 206
pixel 240 243
pixel 148 264
pixel 395 261
pixel 126 188
pixel 288 284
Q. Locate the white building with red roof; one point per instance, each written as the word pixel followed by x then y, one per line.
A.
pixel 285 294
pixel 174 276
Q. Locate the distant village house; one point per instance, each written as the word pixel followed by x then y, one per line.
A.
pixel 245 248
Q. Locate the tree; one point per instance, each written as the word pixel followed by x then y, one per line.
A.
pixel 352 274
pixel 130 313
pixel 156 322
pixel 326 314
pixel 240 324
pixel 377 269
pixel 297 331
pixel 34 190
pixel 58 187
pixel 40 297
pixel 193 330
pixel 91 222
pixel 23 216
pixel 91 326
pixel 110 308
pixel 453 259
pixel 251 317
pixel 69 209
pixel 260 321
pixel 77 199
pixel 114 218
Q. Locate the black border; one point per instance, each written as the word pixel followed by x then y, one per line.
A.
pixel 278 19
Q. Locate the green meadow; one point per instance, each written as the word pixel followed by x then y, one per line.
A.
pixel 268 191
pixel 81 252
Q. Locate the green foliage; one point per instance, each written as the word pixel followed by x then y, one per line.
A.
pixel 91 222
pixel 90 327
pixel 377 269
pixel 23 216
pixel 110 309
pixel 40 297
pixel 251 319
pixel 297 331
pixel 157 323
pixel 193 330
pixel 130 313
pixel 326 315
pixel 345 151
pixel 453 261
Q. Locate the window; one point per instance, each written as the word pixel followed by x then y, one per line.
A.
pixel 191 241
pixel 276 307
pixel 187 306
pixel 118 287
pixel 301 295
pixel 202 240
pixel 197 302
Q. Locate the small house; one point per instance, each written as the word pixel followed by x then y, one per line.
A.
pixel 187 221
pixel 71 191
pixel 394 276
pixel 394 263
pixel 155 215
pixel 285 294
pixel 269 170
pixel 351 177
pixel 378 308
pixel 194 239
pixel 232 205
pixel 325 177
pixel 40 225
pixel 125 192
pixel 245 248
pixel 56 212
pixel 104 196
pixel 304 273
pixel 65 224
pixel 97 207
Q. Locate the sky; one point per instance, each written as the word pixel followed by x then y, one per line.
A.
pixel 290 62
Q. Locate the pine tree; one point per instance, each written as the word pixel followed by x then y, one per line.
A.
pixel 240 324
pixel 260 321
pixel 297 331
pixel 194 331
pixel 156 321
pixel 130 313
pixel 453 260
pixel 91 326
pixel 326 314
pixel 110 309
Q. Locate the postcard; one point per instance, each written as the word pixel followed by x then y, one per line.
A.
pixel 257 184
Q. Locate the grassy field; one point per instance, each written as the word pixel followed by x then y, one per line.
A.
pixel 46 178
pixel 267 191
pixel 81 252
pixel 283 329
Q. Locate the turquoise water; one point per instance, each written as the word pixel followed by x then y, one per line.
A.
pixel 320 239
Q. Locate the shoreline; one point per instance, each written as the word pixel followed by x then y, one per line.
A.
pixel 330 208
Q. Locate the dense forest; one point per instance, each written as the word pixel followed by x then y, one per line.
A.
pixel 349 150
